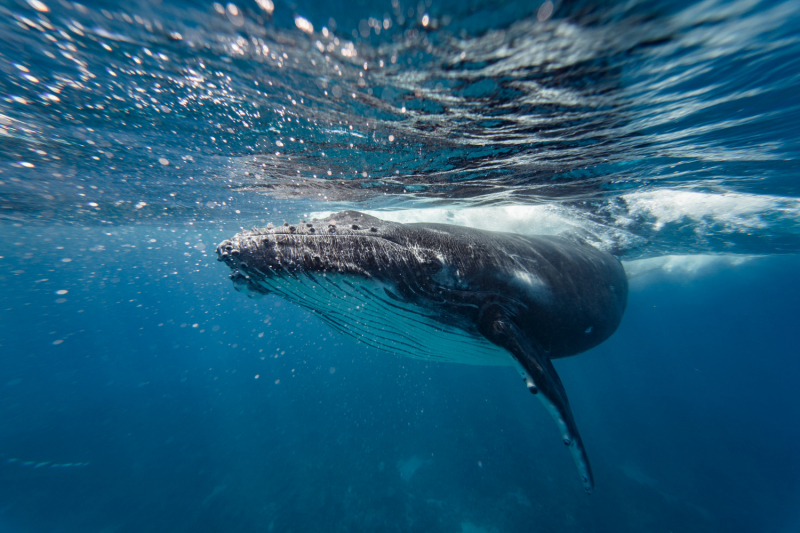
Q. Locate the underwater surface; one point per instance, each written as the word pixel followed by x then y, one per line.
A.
pixel 139 391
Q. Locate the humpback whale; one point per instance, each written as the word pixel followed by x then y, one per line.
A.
pixel 444 293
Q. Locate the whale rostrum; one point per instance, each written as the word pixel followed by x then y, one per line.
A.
pixel 444 293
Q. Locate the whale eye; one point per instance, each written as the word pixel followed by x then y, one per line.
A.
pixel 433 265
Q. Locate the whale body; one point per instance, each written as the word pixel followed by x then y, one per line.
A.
pixel 444 293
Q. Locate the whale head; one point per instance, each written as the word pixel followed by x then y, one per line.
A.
pixel 412 263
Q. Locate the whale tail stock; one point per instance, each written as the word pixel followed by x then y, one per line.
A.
pixel 541 378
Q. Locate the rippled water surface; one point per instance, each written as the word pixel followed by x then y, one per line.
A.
pixel 670 126
pixel 135 136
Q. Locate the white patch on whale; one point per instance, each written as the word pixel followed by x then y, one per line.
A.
pixel 533 284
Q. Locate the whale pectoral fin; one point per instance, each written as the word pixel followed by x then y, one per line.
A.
pixel 542 380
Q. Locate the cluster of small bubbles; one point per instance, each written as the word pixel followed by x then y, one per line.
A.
pixel 115 114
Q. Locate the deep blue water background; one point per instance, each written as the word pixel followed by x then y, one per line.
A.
pixel 689 411
pixel 140 392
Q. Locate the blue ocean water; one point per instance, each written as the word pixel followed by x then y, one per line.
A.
pixel 139 391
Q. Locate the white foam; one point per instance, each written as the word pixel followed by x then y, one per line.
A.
pixel 683 266
pixel 632 219
pixel 538 219
pixel 551 219
pixel 730 212
pixel 534 219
